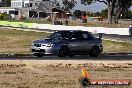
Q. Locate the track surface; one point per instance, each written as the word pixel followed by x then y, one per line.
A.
pixel 123 38
pixel 101 57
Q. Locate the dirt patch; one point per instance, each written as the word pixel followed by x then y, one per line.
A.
pixel 59 73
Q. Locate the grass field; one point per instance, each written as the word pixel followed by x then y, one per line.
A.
pixel 18 41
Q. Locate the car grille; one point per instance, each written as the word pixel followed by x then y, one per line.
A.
pixel 41 50
pixel 37 45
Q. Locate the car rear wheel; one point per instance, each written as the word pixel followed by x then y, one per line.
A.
pixel 130 33
pixel 63 51
pixel 71 55
pixel 94 52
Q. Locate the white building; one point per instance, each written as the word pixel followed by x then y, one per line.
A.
pixel 24 3
pixel 29 8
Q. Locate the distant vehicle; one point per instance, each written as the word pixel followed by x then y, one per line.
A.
pixel 130 30
pixel 68 43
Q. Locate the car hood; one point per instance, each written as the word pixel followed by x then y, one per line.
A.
pixel 44 41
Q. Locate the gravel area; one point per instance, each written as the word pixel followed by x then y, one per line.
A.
pixel 60 73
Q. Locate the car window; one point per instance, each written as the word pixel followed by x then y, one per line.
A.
pixel 82 36
pixel 52 35
pixel 60 35
pixel 87 36
pixel 77 36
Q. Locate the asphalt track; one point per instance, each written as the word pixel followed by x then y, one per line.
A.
pixel 118 38
pixel 120 57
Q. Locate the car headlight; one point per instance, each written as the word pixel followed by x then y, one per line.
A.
pixel 32 45
pixel 50 45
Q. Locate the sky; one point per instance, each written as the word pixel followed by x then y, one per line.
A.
pixel 94 7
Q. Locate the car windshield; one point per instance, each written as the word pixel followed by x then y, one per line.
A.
pixel 61 35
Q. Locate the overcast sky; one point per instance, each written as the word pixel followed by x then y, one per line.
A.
pixel 94 7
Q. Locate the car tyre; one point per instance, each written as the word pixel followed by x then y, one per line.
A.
pixel 94 51
pixel 130 33
pixel 71 55
pixel 63 51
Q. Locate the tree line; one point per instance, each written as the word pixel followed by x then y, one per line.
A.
pixel 114 7
pixel 104 13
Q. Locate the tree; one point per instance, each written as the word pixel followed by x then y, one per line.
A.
pixel 115 7
pixel 56 4
pixel 77 13
pixel 104 13
pixel 90 14
pixel 120 7
pixel 68 4
pixel 97 14
pixel 127 14
pixel 5 3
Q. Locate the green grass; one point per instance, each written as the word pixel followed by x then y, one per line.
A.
pixel 112 46
pixel 18 41
pixel 34 20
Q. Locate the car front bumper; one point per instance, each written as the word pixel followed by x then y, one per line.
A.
pixel 44 50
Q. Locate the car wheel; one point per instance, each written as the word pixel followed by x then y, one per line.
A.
pixel 71 55
pixel 130 33
pixel 63 52
pixel 38 55
pixel 94 52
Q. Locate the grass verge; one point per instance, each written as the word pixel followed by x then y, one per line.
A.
pixel 17 41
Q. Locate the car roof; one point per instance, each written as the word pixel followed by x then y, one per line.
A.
pixel 68 30
pixel 71 31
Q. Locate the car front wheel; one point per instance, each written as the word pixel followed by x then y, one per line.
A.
pixel 38 55
pixel 94 52
pixel 63 52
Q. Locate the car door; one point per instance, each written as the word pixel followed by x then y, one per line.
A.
pixel 75 45
pixel 87 42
